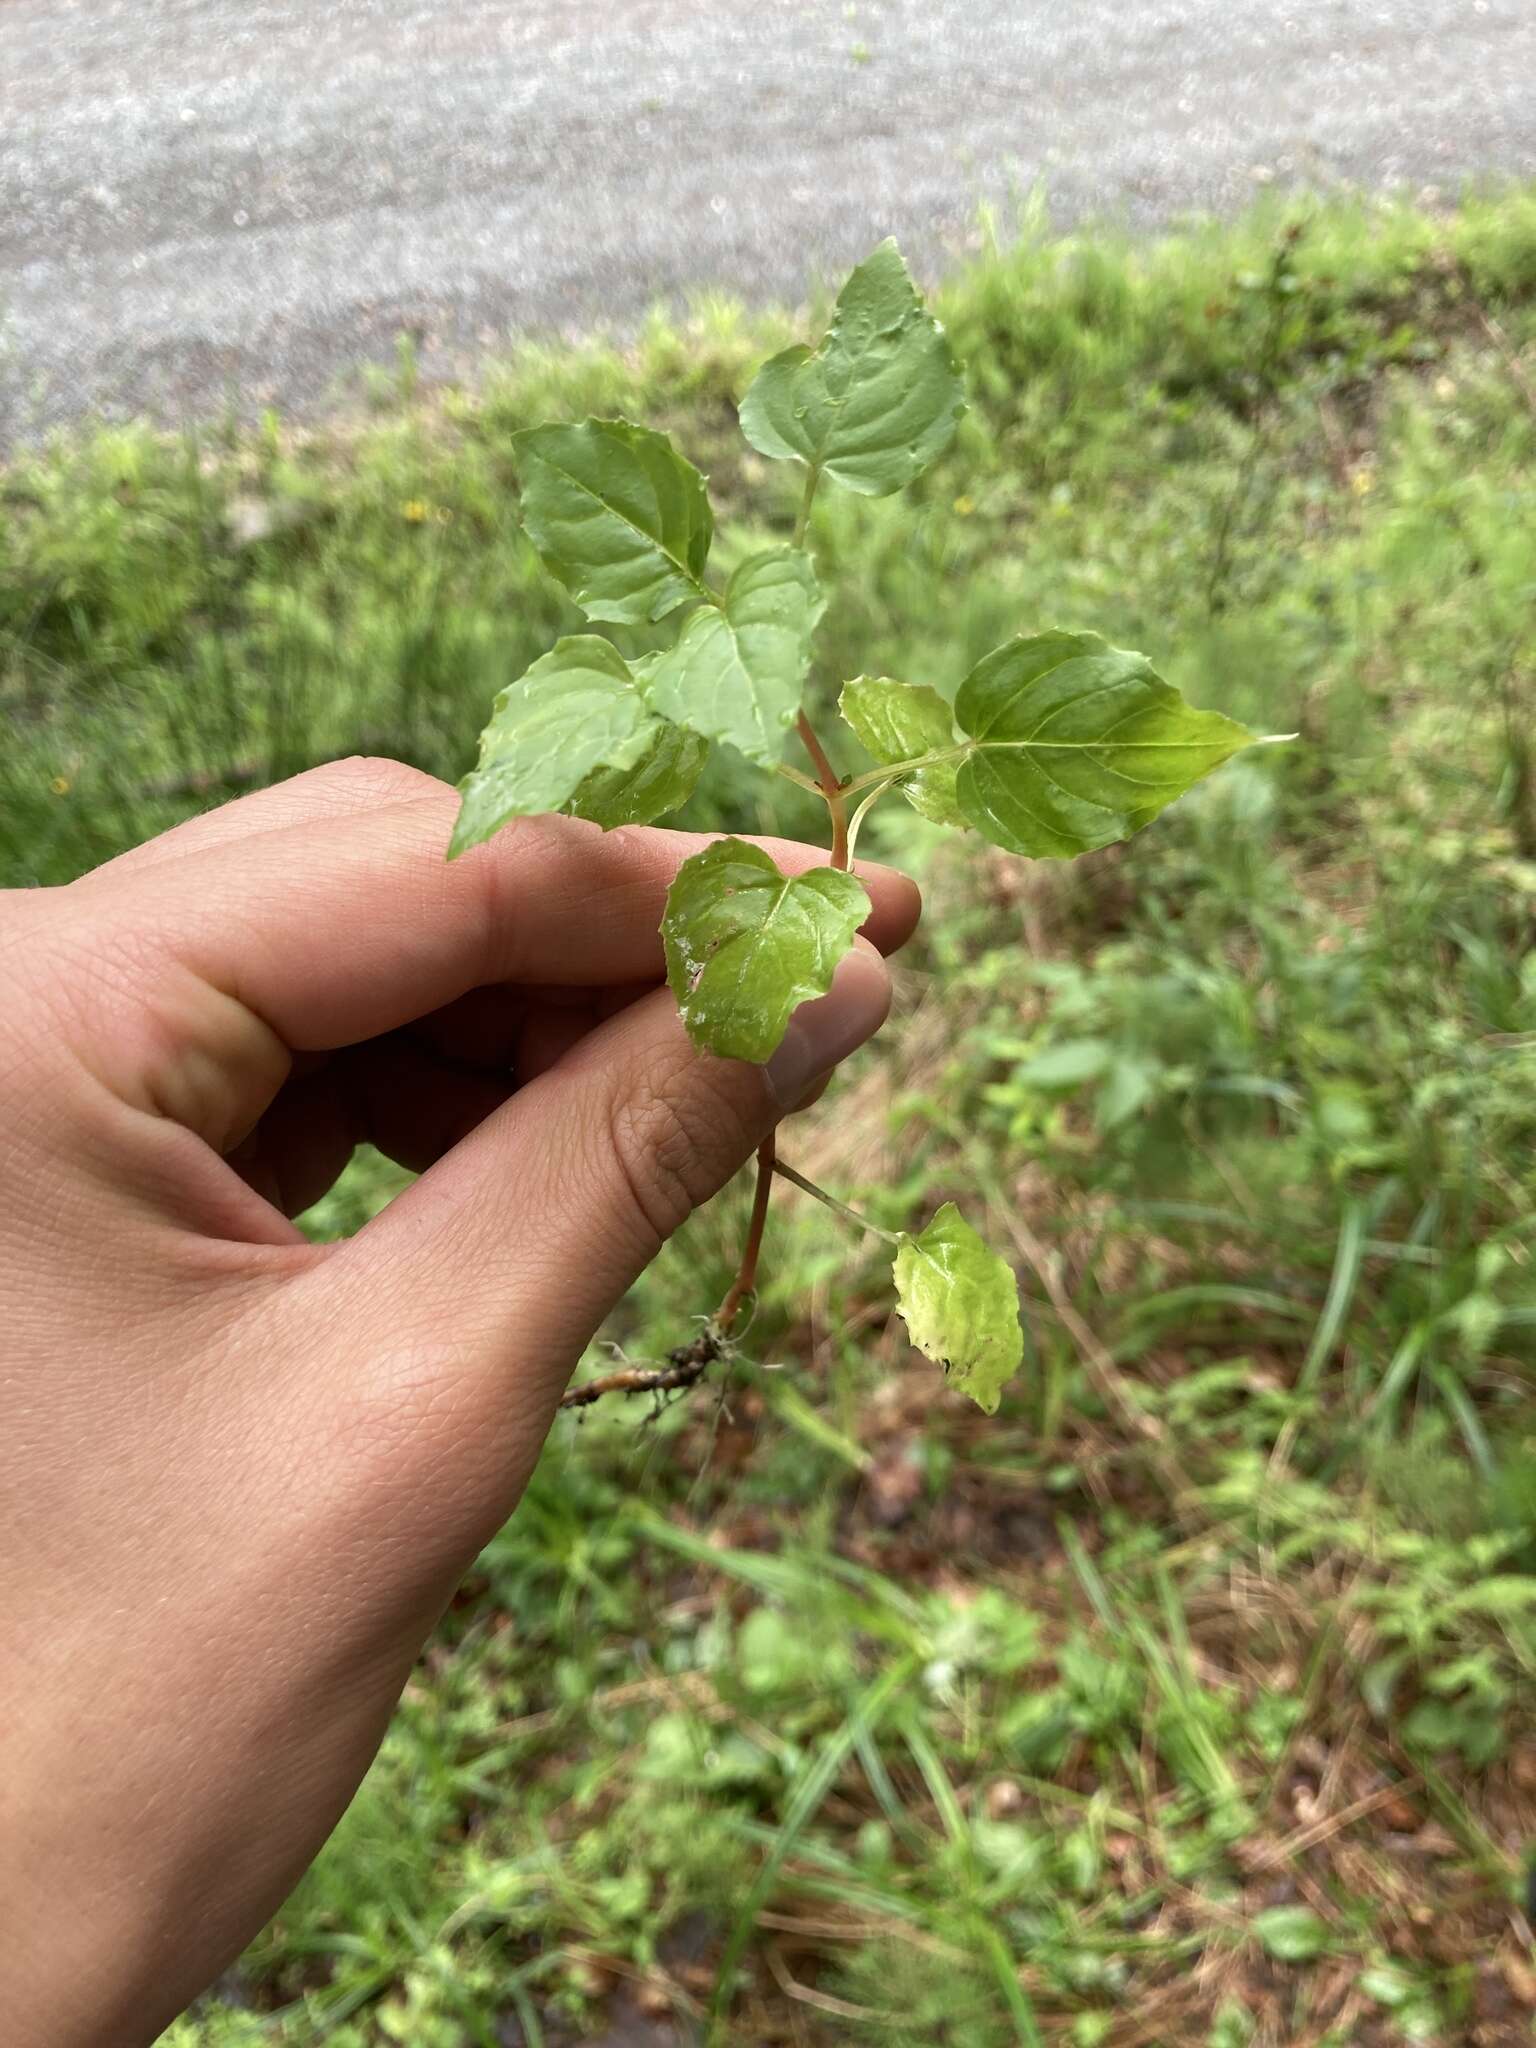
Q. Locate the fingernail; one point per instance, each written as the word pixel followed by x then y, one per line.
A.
pixel 826 1031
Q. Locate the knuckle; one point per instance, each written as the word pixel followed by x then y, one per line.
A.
pixel 363 779
pixel 498 882
pixel 676 1135
pixel 634 848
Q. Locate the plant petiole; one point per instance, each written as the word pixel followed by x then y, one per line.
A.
pixel 812 479
pixel 809 1187
pixel 871 799
pixel 893 771
pixel 800 780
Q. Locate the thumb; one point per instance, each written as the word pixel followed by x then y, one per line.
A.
pixel 499 1263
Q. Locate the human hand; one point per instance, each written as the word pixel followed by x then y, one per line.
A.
pixel 243 1473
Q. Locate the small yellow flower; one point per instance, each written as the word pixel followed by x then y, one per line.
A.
pixel 61 785
pixel 965 507
pixel 415 511
pixel 1363 482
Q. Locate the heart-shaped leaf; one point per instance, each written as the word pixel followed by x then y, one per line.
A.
pixel 576 710
pixel 738 670
pixel 1076 744
pixel 745 944
pixel 960 1303
pixel 876 401
pixel 902 722
pixel 618 515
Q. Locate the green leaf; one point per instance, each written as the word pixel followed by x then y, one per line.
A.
pixel 960 1302
pixel 1233 2027
pixel 574 711
pixel 1291 1934
pixel 1071 1064
pixel 745 944
pixel 738 671
pixel 1502 1597
pixel 662 780
pixel 1388 1983
pixel 1077 744
pixel 876 401
pixel 902 722
pixel 618 515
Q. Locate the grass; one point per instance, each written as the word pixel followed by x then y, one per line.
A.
pixel 1189 1700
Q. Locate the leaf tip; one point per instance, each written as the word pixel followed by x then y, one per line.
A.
pixel 464 837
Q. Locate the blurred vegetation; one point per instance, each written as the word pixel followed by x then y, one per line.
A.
pixel 1190 1700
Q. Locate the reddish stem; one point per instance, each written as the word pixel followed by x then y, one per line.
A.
pixel 746 1272
pixel 831 789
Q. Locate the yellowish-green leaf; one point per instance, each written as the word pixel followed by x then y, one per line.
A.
pixel 745 944
pixel 960 1303
pixel 575 711
pixel 738 671
pixel 618 515
pixel 876 401
pixel 903 722
pixel 1076 744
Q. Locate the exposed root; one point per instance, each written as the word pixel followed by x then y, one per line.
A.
pixel 684 1368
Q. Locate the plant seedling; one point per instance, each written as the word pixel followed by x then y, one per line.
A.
pixel 1056 742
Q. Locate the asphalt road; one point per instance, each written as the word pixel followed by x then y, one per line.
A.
pixel 215 201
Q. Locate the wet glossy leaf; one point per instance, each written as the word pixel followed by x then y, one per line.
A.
pixel 745 944
pixel 960 1302
pixel 1078 744
pixel 617 514
pixel 738 670
pixel 876 401
pixel 902 722
pixel 575 711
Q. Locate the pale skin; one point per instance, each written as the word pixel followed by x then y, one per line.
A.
pixel 242 1474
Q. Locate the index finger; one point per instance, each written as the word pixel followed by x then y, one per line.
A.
pixel 342 927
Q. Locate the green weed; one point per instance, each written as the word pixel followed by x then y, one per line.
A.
pixel 1189 1699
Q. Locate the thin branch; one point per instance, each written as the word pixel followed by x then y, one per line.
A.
pixel 809 1187
pixel 830 787
pixel 746 1272
pixel 839 2008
